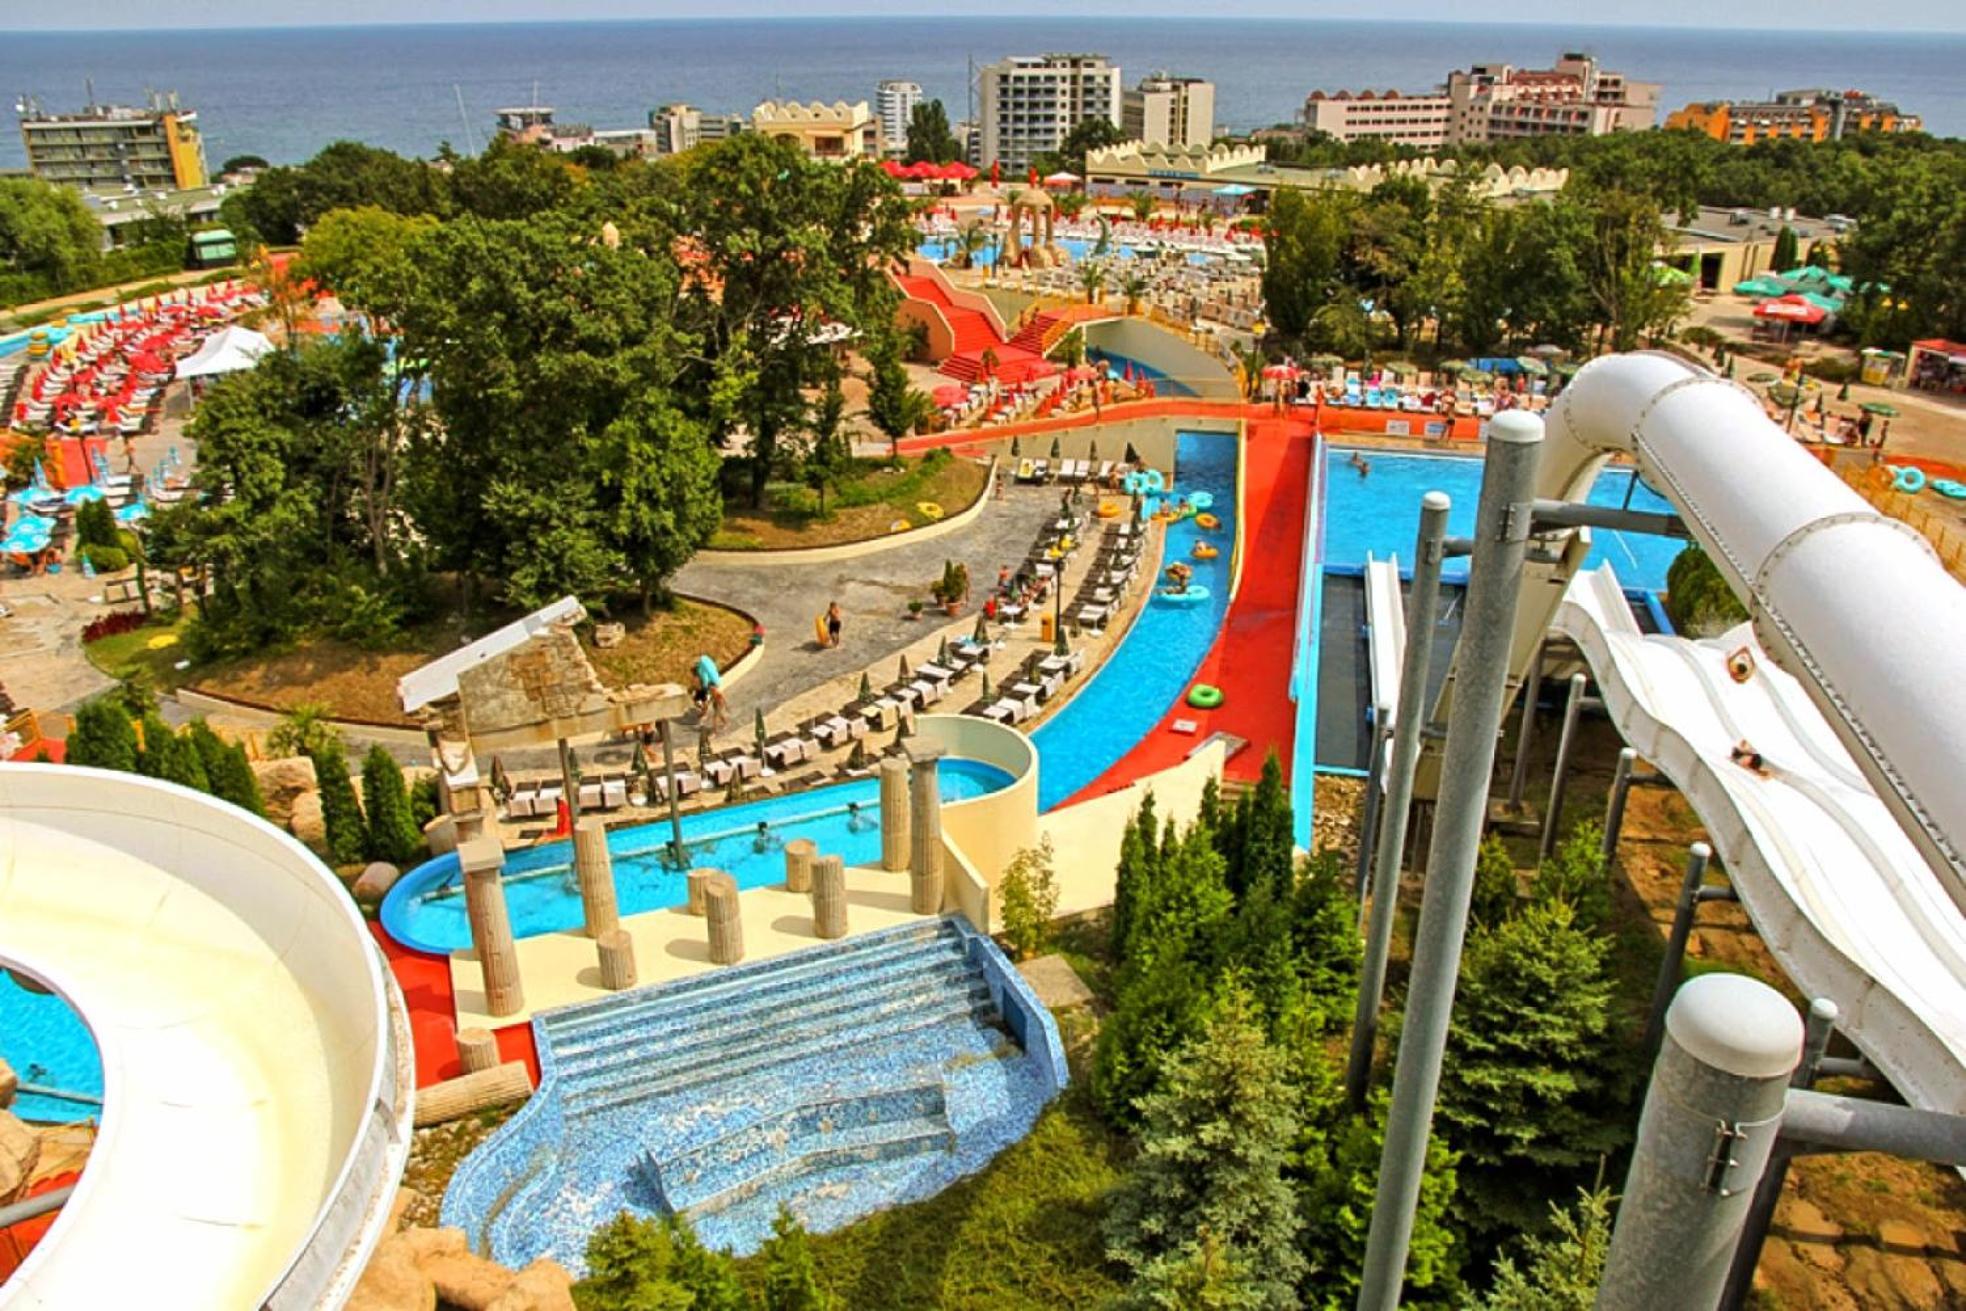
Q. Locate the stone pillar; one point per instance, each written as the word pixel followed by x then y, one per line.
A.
pixel 925 825
pixel 595 870
pixel 800 853
pixel 617 959
pixel 568 782
pixel 477 1048
pixel 720 907
pixel 491 928
pixel 894 814
pixel 829 897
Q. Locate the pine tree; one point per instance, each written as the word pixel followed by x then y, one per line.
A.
pixel 103 736
pixel 1139 856
pixel 1529 1094
pixel 1258 944
pixel 1496 893
pixel 791 1283
pixel 227 771
pixel 1336 1203
pixel 1559 1272
pixel 392 834
pixel 1267 839
pixel 155 749
pixel 341 814
pixel 178 761
pixel 1208 1186
pixel 1324 926
pixel 1575 874
pixel 656 1265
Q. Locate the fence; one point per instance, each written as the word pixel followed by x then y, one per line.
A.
pixel 1947 537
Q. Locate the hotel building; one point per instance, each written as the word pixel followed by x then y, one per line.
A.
pixel 1170 111
pixel 894 105
pixel 1810 115
pixel 1492 102
pixel 1029 104
pixel 151 148
pixel 837 132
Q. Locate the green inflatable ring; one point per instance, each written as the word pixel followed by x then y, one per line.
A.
pixel 1204 696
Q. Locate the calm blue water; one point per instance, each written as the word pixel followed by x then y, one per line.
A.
pixel 1380 513
pixel 285 92
pixel 1152 667
pixel 47 1043
pixel 425 909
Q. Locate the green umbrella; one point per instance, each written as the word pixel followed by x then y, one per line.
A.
pixel 867 684
pixel 1453 366
pixel 1764 376
pixel 1730 367
pixel 982 634
pixel 1532 366
pixel 942 651
pixel 1057 448
pixel 1016 448
pixel 902 677
pixel 986 685
pixel 759 728
pixel 1478 376
pixel 1880 408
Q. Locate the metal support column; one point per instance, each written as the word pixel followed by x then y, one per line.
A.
pixel 1614 809
pixel 1416 663
pixel 1691 894
pixel 1376 766
pixel 1573 705
pixel 1525 736
pixel 1502 526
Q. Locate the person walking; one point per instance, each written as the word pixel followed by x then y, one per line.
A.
pixel 834 621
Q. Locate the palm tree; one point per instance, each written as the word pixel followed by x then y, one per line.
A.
pixel 970 240
pixel 1132 284
pixel 1143 204
pixel 1344 327
pixel 1092 277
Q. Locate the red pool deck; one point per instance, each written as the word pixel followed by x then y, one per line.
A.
pixel 426 984
pixel 1251 658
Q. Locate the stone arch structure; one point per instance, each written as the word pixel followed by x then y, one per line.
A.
pixel 1044 251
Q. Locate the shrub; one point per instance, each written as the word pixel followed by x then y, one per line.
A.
pixel 426 802
pixel 106 559
pixel 634 1264
pixel 302 731
pixel 111 625
pixel 393 834
pixel 341 814
pixel 95 524
pixel 103 736
pixel 1698 600
pixel 1029 893
pixel 227 770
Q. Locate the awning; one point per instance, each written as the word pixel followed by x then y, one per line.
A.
pixel 1791 309
pixel 1061 179
pixel 229 350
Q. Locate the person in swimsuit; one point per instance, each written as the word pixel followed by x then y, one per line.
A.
pixel 833 622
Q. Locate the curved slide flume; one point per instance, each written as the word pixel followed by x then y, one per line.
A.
pixel 257 1072
pixel 1842 896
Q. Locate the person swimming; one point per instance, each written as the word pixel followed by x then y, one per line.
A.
pixel 762 842
pixel 1359 462
pixel 856 822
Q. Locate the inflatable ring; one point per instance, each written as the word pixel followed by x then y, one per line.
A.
pixel 1203 551
pixel 899 526
pixel 1948 488
pixel 1204 696
pixel 1910 479
pixel 1201 500
pixel 1111 508
pixel 929 509
pixel 1153 481
pixel 1207 522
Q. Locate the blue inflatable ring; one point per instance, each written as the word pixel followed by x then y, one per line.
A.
pixel 1948 488
pixel 1201 500
pixel 1154 481
pixel 1910 479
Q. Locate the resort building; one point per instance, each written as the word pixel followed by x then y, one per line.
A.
pixel 837 132
pixel 155 147
pixel 1239 172
pixel 533 125
pixel 679 127
pixel 1720 247
pixel 1809 115
pixel 1030 104
pixel 1491 102
pixel 1170 111
pixel 894 104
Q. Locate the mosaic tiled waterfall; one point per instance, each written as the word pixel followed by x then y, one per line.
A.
pixel 837 1080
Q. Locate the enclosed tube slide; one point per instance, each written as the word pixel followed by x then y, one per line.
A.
pixel 1852 603
pixel 257 1071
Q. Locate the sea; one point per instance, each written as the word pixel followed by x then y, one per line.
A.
pixel 283 93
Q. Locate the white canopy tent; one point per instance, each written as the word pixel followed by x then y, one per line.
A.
pixel 228 350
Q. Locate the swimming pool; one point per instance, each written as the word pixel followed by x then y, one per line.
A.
pixel 1158 657
pixel 46 1043
pixel 18 341
pixel 1380 513
pixel 425 910
pixel 944 248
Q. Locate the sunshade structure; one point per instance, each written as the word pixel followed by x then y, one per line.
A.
pixel 1061 179
pixel 1761 286
pixel 928 171
pixel 30 533
pixel 1532 366
pixel 229 350
pixel 1883 409
pixel 1234 190
pixel 1665 275
pixel 1791 309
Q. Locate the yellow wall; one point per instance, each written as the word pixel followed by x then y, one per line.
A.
pixel 187 152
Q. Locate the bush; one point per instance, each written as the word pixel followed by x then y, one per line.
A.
pixel 1834 369
pixel 341 814
pixel 112 624
pixel 106 559
pixel 95 524
pixel 426 802
pixel 1698 600
pixel 103 736
pixel 393 834
pixel 1029 893
pixel 227 770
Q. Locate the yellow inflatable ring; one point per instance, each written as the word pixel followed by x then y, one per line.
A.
pixel 930 510
pixel 1203 551
pixel 899 526
pixel 1207 522
pixel 1111 508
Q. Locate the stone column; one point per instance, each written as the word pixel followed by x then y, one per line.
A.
pixel 617 959
pixel 720 907
pixel 477 1048
pixel 697 883
pixel 894 814
pixel 800 853
pixel 595 870
pixel 491 928
pixel 829 897
pixel 925 825
pixel 568 782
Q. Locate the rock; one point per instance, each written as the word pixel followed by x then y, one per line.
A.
pixel 393 1282
pixel 609 635
pixel 467 1281
pixel 376 880
pixel 306 822
pixel 1803 1222
pixel 20 1151
pixel 1899 1237
pixel 9 1085
pixel 406 1198
pixel 428 1244
pixel 280 781
pixel 544 1285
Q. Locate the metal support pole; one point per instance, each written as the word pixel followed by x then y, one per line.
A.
pixel 1375 782
pixel 1416 662
pixel 39 1204
pixel 1710 1119
pixel 1526 733
pixel 1579 514
pixel 1697 857
pixel 1553 812
pixel 676 851
pixel 1822 1122
pixel 1515 440
pixel 1816 1031
pixel 1614 810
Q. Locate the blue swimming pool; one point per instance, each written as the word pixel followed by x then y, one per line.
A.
pixel 18 341
pixel 1380 513
pixel 1155 662
pixel 425 910
pixel 47 1044
pixel 940 249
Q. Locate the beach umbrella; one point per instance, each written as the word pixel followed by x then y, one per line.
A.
pixel 1879 408
pixel 1532 366
pixel 1729 371
pixel 85 492
pixel 986 685
pixel 1092 453
pixel 1843 392
pixel 1548 352
pixel 1057 448
pixel 758 729
pixel 942 651
pixel 981 633
pixel 1764 376
pixel 1016 447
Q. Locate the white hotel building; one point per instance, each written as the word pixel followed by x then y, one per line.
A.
pixel 1028 104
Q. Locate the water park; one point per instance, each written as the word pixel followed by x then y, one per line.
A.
pixel 830 911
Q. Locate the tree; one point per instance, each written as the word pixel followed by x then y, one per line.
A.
pixel 303 730
pixel 828 455
pixel 929 137
pixel 227 770
pixel 1561 1271
pixel 1028 892
pixel 341 814
pixel 1090 133
pixel 103 736
pixel 1496 892
pixel 1139 854
pixel 791 1284
pixel 1264 852
pixel 1575 875
pixel 656 1265
pixel 238 162
pixel 1092 278
pixel 49 241
pixel 1340 1183
pixel 1209 1176
pixel 1325 929
pixel 893 403
pixel 175 759
pixel 392 834
pixel 1142 203
pixel 1698 600
pixel 660 472
pixel 511 180
pixel 1528 1093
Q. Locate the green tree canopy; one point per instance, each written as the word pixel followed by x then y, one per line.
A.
pixel 49 241
pixel 929 137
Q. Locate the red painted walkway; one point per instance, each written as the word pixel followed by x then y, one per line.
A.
pixel 426 984
pixel 1250 660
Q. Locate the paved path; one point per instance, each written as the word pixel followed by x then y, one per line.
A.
pixel 873 592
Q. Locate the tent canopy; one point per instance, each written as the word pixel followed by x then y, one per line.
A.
pixel 1791 308
pixel 229 350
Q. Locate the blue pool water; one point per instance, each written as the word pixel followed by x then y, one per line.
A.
pixel 425 910
pixel 1153 666
pixel 46 1043
pixel 943 248
pixel 18 341
pixel 1380 513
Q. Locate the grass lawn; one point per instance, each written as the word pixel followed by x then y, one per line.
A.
pixel 867 505
pixel 154 649
pixel 358 684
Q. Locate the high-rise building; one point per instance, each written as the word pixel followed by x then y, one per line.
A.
pixel 1808 115
pixel 679 127
pixel 152 148
pixel 1488 102
pixel 1170 111
pixel 1029 104
pixel 894 104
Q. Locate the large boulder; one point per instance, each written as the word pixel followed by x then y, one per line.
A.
pixel 307 823
pixel 20 1152
pixel 281 782
pixel 544 1285
pixel 9 1085
pixel 374 882
pixel 393 1281
pixel 470 1282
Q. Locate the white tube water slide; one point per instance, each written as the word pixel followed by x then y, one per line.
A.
pixel 257 1068
pixel 1848 853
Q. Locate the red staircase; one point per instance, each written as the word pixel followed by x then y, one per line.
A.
pixel 974 334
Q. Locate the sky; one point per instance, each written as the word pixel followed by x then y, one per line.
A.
pixel 1791 15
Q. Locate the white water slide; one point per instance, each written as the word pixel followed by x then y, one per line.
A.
pixel 257 1069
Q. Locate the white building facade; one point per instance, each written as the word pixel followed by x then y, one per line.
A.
pixel 1170 111
pixel 894 105
pixel 1029 104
